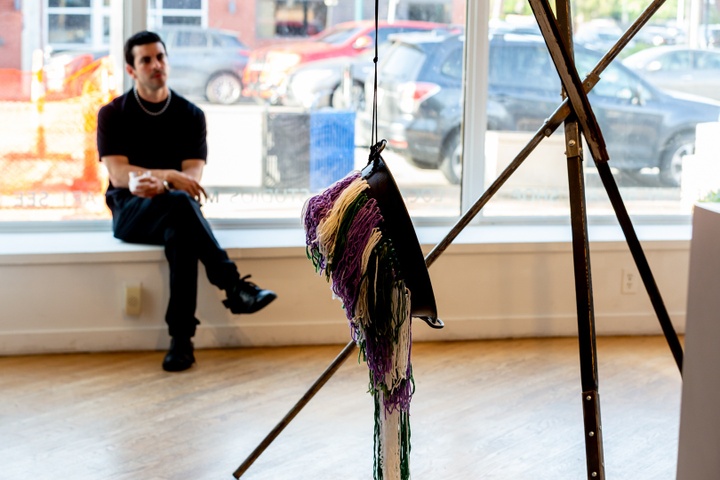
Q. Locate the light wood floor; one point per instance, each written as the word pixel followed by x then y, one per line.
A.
pixel 506 410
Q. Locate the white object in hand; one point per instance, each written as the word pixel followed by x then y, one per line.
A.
pixel 134 178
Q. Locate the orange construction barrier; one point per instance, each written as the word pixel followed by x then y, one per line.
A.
pixel 60 129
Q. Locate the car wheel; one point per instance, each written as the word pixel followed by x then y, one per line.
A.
pixel 224 88
pixel 357 98
pixel 451 165
pixel 678 148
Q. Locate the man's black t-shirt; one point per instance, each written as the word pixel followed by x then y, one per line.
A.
pixel 154 142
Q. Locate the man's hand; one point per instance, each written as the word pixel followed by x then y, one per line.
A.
pixel 150 182
pixel 147 186
pixel 183 181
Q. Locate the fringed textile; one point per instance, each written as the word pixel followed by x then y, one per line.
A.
pixel 316 208
pixel 346 243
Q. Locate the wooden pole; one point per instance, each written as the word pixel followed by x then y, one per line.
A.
pixel 319 383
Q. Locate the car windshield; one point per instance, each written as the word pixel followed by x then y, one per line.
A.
pixel 338 36
pixel 522 66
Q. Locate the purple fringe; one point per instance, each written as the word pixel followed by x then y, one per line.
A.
pixel 348 272
pixel 399 398
pixel 379 359
pixel 317 208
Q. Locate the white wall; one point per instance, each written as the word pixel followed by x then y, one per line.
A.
pixel 486 286
pixel 699 439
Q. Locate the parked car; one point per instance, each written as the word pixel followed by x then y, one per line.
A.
pixel 337 82
pixel 334 82
pixel 684 69
pixel 205 61
pixel 268 67
pixel 420 104
pixel 654 35
pixel 599 34
pixel 602 34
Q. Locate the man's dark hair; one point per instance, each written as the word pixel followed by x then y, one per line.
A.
pixel 140 38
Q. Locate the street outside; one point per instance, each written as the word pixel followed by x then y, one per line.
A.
pixel 52 173
pixel 426 192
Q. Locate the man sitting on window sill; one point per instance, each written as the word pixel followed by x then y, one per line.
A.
pixel 153 143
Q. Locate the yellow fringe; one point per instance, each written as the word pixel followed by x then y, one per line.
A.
pixel 401 318
pixel 361 314
pixel 328 227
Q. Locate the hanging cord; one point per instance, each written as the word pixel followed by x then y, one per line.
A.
pixel 374 133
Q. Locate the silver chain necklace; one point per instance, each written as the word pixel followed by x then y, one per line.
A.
pixel 154 114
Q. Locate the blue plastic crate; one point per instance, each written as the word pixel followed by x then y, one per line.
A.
pixel 332 147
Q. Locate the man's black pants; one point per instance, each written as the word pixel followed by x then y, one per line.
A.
pixel 175 221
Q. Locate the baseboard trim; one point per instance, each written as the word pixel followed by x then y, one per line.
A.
pixel 153 338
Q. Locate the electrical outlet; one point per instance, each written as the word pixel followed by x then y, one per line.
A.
pixel 133 299
pixel 630 281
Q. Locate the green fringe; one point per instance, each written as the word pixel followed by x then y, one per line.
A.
pixel 343 228
pixel 380 299
pixel 377 440
pixel 315 257
pixel 405 444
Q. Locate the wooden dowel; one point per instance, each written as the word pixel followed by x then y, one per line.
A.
pixel 322 380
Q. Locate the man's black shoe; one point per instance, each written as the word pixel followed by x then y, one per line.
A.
pixel 180 356
pixel 246 297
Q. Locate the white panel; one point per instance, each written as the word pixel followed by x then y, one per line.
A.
pixel 699 442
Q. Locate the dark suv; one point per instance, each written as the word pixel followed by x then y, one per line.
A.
pixel 420 103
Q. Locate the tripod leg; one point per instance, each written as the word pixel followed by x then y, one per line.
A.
pixel 585 308
pixel 558 37
pixel 561 54
pixel 640 261
pixel 593 435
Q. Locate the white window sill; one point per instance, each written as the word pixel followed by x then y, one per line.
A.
pixel 101 246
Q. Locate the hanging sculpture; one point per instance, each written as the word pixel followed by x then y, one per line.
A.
pixel 359 236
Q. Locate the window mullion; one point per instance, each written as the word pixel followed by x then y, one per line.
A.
pixel 475 115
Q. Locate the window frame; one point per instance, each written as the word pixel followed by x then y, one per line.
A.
pixel 98 12
pixel 156 14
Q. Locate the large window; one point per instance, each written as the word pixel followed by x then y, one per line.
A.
pixel 75 24
pixel 288 113
pixel 176 12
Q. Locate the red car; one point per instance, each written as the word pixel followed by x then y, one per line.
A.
pixel 266 71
